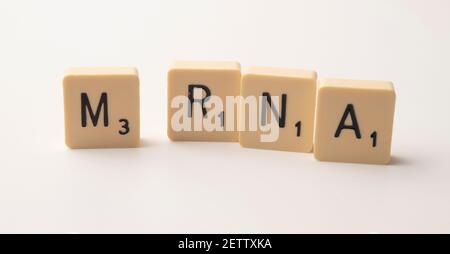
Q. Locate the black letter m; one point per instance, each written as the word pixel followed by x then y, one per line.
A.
pixel 85 104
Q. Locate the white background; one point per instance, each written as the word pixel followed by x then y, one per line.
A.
pixel 167 187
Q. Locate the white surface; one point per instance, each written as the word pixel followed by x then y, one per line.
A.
pixel 171 187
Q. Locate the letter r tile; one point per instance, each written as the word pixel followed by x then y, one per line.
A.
pixel 197 107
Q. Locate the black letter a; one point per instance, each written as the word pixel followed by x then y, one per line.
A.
pixel 85 104
pixel 349 110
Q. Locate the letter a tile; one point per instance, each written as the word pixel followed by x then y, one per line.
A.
pixel 354 121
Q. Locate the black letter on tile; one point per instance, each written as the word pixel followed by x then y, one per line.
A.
pixel 281 119
pixel 85 104
pixel 349 110
pixel 201 101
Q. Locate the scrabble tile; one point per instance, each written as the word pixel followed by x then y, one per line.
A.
pixel 294 114
pixel 194 113
pixel 354 121
pixel 101 107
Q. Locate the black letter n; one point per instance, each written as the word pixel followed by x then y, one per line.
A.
pixel 267 98
pixel 85 104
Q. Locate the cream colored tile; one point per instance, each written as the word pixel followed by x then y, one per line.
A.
pixel 101 107
pixel 354 121
pixel 296 93
pixel 200 82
